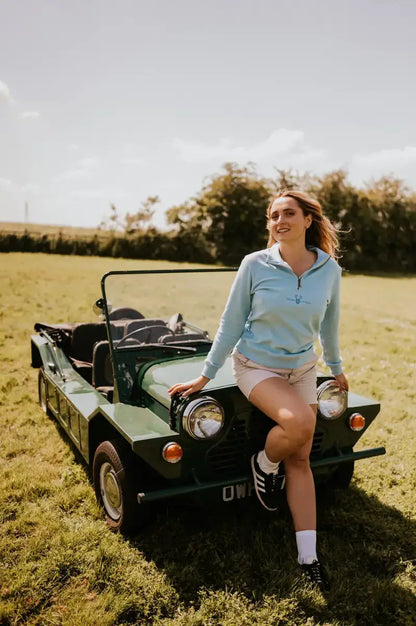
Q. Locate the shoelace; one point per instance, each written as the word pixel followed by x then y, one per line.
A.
pixel 274 480
pixel 314 571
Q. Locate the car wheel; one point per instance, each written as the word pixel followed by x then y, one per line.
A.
pixel 116 483
pixel 342 476
pixel 43 392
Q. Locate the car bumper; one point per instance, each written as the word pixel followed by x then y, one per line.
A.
pixel 220 486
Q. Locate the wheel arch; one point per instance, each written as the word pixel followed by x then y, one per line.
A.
pixel 36 359
pixel 100 429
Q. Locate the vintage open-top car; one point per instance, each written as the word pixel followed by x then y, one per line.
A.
pixel 106 382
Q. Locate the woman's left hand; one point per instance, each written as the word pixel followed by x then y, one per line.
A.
pixel 342 382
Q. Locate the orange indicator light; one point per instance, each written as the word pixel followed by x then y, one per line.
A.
pixel 172 452
pixel 357 421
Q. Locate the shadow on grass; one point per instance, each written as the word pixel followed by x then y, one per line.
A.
pixel 366 546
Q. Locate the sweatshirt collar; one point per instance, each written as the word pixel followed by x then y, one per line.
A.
pixel 274 257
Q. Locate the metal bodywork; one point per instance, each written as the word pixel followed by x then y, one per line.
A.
pixel 138 410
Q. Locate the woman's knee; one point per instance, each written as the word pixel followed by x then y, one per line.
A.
pixel 301 428
pixel 298 462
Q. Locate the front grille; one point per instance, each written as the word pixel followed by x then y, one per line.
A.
pixel 232 453
pixel 316 444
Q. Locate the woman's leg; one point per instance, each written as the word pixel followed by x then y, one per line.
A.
pixel 291 440
pixel 295 420
pixel 300 487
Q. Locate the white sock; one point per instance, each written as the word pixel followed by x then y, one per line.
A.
pixel 306 542
pixel 267 466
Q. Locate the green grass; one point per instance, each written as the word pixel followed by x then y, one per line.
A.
pixel 49 229
pixel 59 564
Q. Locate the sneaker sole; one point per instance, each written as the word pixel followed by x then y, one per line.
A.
pixel 255 487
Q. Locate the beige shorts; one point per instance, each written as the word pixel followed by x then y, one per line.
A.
pixel 248 374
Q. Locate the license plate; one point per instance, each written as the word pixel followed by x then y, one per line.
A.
pixel 237 492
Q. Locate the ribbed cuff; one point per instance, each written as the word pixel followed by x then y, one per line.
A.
pixel 209 370
pixel 336 369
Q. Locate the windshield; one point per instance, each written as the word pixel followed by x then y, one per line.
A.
pixel 166 306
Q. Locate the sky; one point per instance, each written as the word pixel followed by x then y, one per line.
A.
pixel 108 102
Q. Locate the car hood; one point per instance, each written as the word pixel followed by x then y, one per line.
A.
pixel 160 377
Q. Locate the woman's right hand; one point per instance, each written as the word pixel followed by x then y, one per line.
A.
pixel 192 386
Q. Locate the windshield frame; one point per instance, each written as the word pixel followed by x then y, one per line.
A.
pixel 116 354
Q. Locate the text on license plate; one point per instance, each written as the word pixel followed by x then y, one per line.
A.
pixel 238 491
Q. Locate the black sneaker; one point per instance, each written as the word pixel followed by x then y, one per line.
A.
pixel 315 575
pixel 267 486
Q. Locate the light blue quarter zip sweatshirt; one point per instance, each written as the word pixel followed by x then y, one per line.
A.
pixel 273 317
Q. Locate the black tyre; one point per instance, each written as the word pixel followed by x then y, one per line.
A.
pixel 116 482
pixel 43 392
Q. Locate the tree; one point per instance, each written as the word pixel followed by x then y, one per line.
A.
pixel 134 222
pixel 394 214
pixel 141 220
pixel 228 214
pixel 113 222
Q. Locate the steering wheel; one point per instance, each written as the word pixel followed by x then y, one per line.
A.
pixel 146 332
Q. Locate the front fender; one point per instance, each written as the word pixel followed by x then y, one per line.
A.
pixel 146 433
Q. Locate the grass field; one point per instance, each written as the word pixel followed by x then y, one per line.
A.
pixel 49 229
pixel 59 564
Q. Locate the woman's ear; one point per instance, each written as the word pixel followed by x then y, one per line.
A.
pixel 308 221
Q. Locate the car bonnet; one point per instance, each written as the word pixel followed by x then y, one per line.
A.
pixel 160 377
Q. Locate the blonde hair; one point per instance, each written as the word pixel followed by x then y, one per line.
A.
pixel 321 233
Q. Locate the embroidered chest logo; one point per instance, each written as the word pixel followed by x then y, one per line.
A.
pixel 299 299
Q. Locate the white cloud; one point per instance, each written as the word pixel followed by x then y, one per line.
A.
pixel 133 161
pixel 401 162
pixel 283 148
pixel 29 115
pixel 286 149
pixel 279 142
pixel 74 174
pixel 101 193
pixel 5 95
pixel 5 183
pixel 89 163
pixel 84 168
pixel 31 188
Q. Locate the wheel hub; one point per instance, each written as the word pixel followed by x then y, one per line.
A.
pixel 110 491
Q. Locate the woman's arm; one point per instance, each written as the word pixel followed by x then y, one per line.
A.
pixel 329 331
pixel 232 321
pixel 230 329
pixel 192 386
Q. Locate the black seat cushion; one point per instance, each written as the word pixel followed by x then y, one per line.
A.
pixel 84 337
pixel 102 369
pixel 125 313
pixel 135 324
pixel 83 368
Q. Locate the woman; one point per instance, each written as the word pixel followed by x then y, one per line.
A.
pixel 282 300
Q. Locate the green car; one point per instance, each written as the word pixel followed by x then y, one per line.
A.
pixel 106 382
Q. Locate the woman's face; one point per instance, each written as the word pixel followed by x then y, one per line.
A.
pixel 287 221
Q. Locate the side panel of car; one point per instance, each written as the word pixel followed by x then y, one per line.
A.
pixel 79 408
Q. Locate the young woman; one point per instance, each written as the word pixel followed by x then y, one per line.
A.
pixel 282 300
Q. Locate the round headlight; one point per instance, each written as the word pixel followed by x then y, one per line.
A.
pixel 203 418
pixel 332 402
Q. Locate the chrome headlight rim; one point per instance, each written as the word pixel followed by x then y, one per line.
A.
pixel 191 407
pixel 325 386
